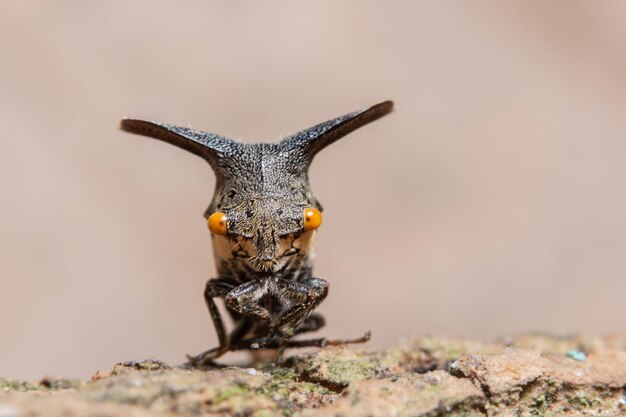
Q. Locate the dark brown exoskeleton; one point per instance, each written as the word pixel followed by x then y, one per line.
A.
pixel 262 220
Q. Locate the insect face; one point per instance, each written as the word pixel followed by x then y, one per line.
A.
pixel 266 224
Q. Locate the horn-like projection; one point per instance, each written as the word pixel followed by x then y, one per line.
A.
pixel 312 140
pixel 206 145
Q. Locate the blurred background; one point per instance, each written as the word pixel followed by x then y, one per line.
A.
pixel 491 202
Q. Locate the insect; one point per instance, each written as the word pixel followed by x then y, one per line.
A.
pixel 263 219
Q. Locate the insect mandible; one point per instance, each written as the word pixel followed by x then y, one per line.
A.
pixel 263 219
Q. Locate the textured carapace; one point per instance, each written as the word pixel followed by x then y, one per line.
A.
pixel 262 218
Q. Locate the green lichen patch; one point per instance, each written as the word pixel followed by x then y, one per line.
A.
pixel 600 400
pixel 336 367
pixel 277 391
pixel 188 392
pixel 286 387
pixel 45 384
pixel 11 385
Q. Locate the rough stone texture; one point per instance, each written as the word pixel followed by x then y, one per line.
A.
pixel 408 394
pixel 525 380
pixel 532 375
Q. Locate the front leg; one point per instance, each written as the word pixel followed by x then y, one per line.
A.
pixel 312 323
pixel 304 296
pixel 216 287
pixel 246 300
pixel 300 297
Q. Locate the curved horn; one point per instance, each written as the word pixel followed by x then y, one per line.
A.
pixel 206 145
pixel 316 138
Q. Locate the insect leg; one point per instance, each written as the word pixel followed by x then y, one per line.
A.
pixel 278 342
pixel 307 294
pixel 216 287
pixel 321 342
pixel 243 327
pixel 245 300
pixel 311 323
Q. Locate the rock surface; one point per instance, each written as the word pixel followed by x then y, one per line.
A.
pixel 532 375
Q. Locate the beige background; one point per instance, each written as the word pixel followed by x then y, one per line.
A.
pixel 491 202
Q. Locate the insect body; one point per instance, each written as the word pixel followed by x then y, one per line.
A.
pixel 262 219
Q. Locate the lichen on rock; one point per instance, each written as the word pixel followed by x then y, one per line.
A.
pixel 531 375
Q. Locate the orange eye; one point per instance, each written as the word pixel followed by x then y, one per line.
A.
pixel 312 219
pixel 217 223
